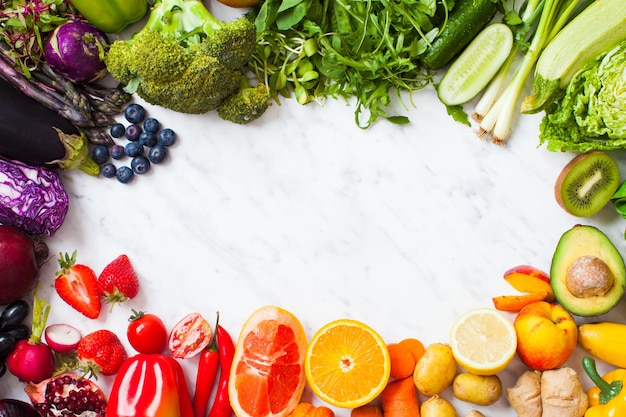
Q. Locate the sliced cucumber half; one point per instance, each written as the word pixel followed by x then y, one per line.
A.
pixel 472 70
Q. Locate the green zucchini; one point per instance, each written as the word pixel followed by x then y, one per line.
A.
pixel 465 21
pixel 597 29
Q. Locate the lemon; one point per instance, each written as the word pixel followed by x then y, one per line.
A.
pixel 483 341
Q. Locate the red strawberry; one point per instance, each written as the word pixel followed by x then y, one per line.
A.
pixel 102 351
pixel 118 281
pixel 76 284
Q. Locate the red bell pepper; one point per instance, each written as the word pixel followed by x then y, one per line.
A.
pixel 150 385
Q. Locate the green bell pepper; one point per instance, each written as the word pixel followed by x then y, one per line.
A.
pixel 111 16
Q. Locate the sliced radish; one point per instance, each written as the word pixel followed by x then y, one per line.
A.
pixel 62 338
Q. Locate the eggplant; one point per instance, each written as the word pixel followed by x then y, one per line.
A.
pixel 38 136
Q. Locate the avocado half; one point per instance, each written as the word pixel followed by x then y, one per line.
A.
pixel 588 275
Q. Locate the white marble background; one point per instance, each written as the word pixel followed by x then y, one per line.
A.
pixel 401 227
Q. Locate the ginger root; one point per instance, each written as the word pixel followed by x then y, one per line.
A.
pixel 525 396
pixel 552 393
pixel 562 394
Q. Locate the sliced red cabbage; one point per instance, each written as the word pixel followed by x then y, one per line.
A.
pixel 32 199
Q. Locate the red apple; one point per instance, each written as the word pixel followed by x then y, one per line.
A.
pixel 546 335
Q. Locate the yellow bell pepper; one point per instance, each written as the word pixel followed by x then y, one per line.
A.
pixel 608 397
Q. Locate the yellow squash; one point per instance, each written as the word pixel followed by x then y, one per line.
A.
pixel 604 340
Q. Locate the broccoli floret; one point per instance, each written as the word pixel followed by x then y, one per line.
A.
pixel 184 58
pixel 246 105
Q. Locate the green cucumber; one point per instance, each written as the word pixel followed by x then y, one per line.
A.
pixel 470 73
pixel 466 20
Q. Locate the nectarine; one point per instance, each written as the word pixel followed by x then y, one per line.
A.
pixel 546 335
pixel 528 279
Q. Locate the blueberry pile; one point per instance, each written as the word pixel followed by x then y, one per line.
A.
pixel 12 329
pixel 147 144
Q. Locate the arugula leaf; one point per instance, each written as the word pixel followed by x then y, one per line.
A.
pixel 361 50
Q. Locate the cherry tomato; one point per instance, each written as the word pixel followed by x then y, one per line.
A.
pixel 146 332
pixel 189 336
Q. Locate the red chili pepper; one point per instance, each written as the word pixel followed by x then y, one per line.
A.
pixel 149 385
pixel 205 378
pixel 221 406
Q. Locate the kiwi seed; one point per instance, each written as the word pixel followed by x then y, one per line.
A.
pixel 587 183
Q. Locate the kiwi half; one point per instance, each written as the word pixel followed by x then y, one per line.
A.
pixel 587 183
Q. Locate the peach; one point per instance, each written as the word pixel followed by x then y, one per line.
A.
pixel 546 335
pixel 514 303
pixel 528 279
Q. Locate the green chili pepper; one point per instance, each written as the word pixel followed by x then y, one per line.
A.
pixel 111 16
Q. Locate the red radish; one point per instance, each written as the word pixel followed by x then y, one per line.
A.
pixel 31 360
pixel 62 338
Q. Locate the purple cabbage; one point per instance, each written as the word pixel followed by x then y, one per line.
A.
pixel 32 199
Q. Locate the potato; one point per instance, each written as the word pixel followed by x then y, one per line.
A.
pixel 437 406
pixel 477 389
pixel 474 413
pixel 435 370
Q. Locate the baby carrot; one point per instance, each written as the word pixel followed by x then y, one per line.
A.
pixel 399 399
pixel 367 410
pixel 402 361
pixel 415 347
pixel 306 409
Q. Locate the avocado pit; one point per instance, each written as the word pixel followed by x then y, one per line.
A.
pixel 589 276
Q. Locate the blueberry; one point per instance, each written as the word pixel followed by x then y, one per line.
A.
pixel 118 130
pixel 134 113
pixel 117 152
pixel 133 149
pixel 157 154
pixel 148 139
pixel 108 170
pixel 151 125
pixel 100 154
pixel 166 137
pixel 124 174
pixel 133 132
pixel 140 165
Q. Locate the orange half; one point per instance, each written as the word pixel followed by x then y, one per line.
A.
pixel 267 375
pixel 347 363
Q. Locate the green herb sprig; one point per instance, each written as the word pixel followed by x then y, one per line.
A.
pixel 25 24
pixel 361 49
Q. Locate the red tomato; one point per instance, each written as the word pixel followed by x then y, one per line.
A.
pixel 146 333
pixel 189 336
